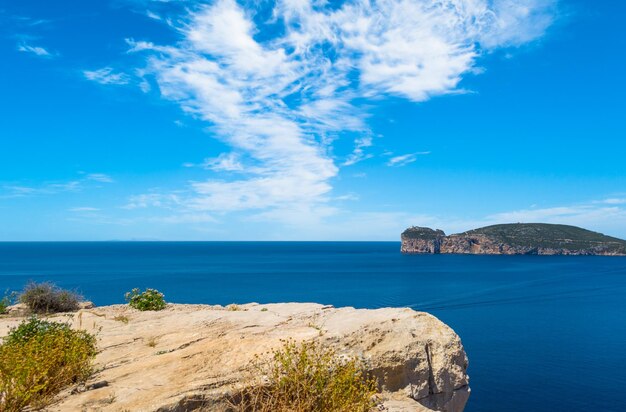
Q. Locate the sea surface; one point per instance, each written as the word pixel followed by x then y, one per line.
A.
pixel 543 333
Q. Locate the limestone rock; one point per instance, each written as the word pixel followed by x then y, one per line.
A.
pixel 86 305
pixel 19 309
pixel 195 357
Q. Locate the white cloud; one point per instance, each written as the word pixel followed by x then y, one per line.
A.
pixel 358 154
pixel 11 191
pixel 152 200
pixel 389 225
pixel 99 177
pixel 36 50
pixel 153 15
pixel 186 218
pixel 405 159
pixel 590 215
pixel 613 201
pixel 106 75
pixel 281 99
pixel 18 191
pixel 225 162
pixel 52 188
pixel 83 209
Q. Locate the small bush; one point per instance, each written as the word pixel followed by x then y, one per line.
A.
pixel 48 298
pixel 307 377
pixel 38 359
pixel 151 299
pixel 6 301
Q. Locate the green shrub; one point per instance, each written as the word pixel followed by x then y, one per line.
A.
pixel 38 359
pixel 307 377
pixel 150 299
pixel 48 298
pixel 6 301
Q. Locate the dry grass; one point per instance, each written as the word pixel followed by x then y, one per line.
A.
pixel 109 399
pixel 152 341
pixel 38 359
pixel 48 298
pixel 307 377
pixel 121 318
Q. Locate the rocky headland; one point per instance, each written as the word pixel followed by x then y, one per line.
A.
pixel 197 357
pixel 513 239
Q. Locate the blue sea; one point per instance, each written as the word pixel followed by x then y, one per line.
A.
pixel 543 333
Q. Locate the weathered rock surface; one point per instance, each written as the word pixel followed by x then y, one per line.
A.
pixel 194 357
pixel 513 239
pixel 21 309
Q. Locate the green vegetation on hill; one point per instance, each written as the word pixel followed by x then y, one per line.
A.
pixel 545 235
pixel 425 233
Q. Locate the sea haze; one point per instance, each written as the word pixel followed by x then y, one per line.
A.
pixel 543 333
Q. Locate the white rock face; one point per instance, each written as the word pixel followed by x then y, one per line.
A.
pixel 19 309
pixel 193 357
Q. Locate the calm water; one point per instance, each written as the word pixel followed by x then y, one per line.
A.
pixel 542 333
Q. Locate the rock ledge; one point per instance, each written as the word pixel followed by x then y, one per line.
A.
pixel 193 357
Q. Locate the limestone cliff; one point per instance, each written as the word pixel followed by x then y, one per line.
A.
pixel 196 357
pixel 514 239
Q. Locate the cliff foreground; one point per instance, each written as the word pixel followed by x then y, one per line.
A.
pixel 514 239
pixel 197 357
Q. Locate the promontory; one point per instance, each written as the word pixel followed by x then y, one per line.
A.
pixel 513 239
pixel 201 358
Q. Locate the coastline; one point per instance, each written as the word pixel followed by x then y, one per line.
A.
pixel 190 356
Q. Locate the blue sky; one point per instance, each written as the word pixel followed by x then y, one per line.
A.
pixel 305 120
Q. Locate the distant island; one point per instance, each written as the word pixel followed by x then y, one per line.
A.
pixel 513 239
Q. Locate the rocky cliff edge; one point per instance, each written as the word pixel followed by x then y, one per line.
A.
pixel 195 357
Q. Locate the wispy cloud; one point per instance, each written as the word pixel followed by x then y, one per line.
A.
pixel 186 218
pixel 388 225
pixel 613 201
pixel 12 190
pixel 83 209
pixel 225 162
pixel 36 50
pixel 99 177
pixel 107 75
pixel 358 154
pixel 282 98
pixel 594 215
pixel 581 215
pixel 25 21
pixel 405 159
pixel 153 15
pixel 152 200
